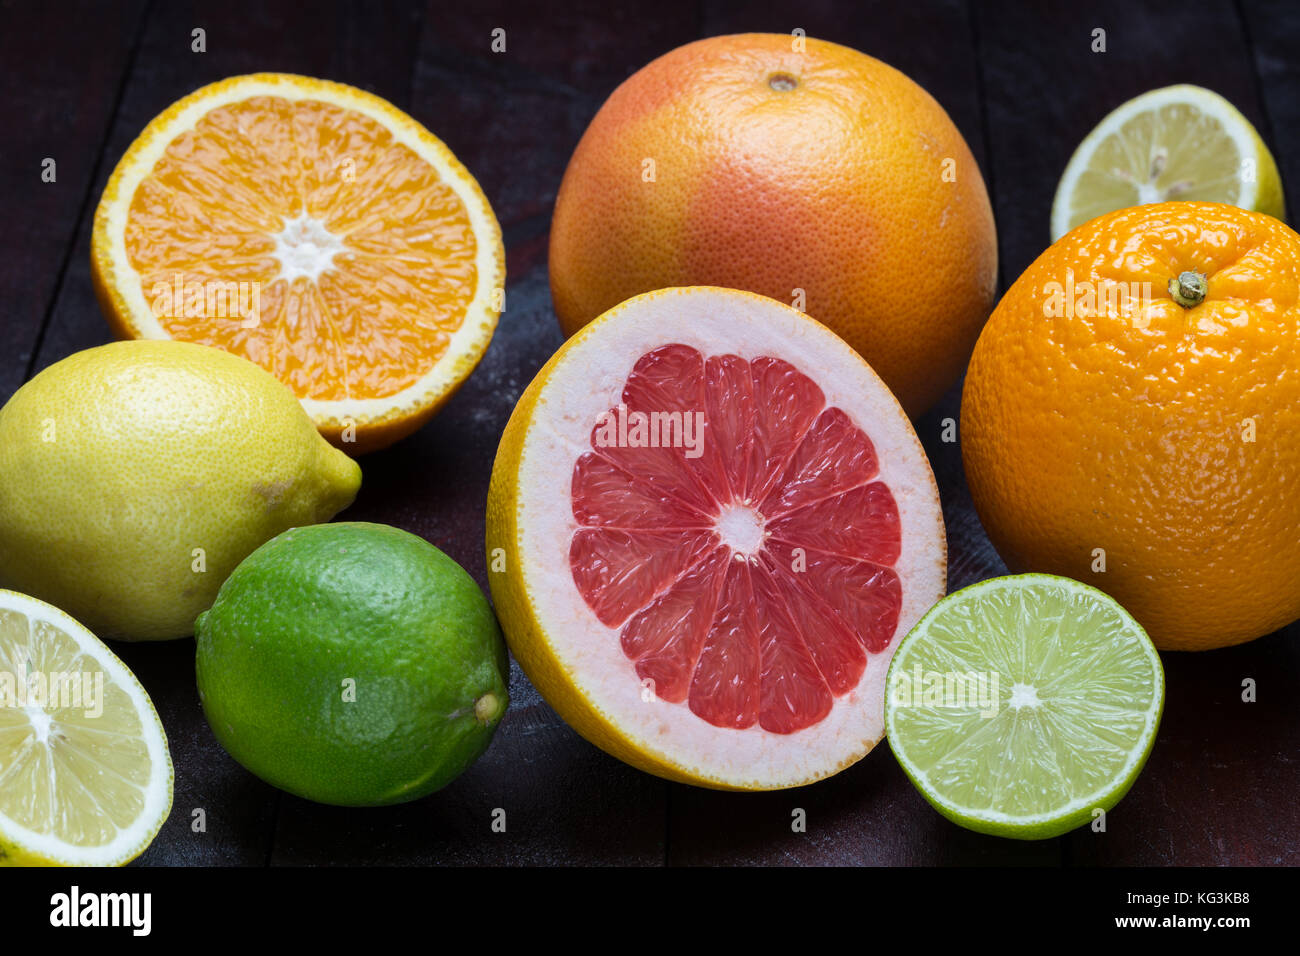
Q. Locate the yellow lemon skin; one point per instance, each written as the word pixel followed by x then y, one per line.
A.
pixel 135 476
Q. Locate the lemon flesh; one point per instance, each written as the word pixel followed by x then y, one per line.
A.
pixel 85 774
pixel 1175 143
pixel 1020 706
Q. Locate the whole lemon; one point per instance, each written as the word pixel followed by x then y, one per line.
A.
pixel 135 476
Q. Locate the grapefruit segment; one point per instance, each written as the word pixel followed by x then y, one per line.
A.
pixel 866 597
pixel 604 495
pixel 729 414
pixel 795 694
pixel 861 524
pixel 839 655
pixel 664 396
pixel 834 456
pixel 786 403
pixel 726 681
pixel 619 572
pixel 666 636
pixel 719 611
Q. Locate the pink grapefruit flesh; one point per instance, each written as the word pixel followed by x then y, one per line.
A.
pixel 750 580
pixel 750 525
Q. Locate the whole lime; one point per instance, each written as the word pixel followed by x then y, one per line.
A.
pixel 352 664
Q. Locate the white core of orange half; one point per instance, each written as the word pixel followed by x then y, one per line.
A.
pixel 587 381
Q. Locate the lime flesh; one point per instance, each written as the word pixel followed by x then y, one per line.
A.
pixel 1020 706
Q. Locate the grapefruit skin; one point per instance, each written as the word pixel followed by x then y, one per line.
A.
pixel 518 609
pixel 853 186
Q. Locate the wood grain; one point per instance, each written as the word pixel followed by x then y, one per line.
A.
pixel 1022 84
pixel 57 107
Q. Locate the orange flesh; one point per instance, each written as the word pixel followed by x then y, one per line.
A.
pixel 382 311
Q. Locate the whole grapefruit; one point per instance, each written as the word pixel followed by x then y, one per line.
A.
pixel 1130 413
pixel 795 168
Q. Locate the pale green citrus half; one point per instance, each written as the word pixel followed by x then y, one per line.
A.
pixel 1020 706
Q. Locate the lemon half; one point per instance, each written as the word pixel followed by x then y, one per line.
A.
pixel 1177 142
pixel 85 774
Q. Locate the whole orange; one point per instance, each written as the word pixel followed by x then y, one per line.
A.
pixel 1140 435
pixel 798 169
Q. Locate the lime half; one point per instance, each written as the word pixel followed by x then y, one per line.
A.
pixel 1021 705
pixel 1178 142
pixel 85 775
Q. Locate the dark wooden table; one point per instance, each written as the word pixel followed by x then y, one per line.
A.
pixel 1021 82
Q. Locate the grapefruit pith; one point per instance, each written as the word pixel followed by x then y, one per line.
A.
pixel 708 522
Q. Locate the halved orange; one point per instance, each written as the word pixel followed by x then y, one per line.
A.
pixel 315 229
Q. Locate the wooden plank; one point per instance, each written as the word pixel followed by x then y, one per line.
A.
pixel 869 814
pixel 1214 790
pixel 1272 30
pixel 512 118
pixel 57 106
pixel 562 801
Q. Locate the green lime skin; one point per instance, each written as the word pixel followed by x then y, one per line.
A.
pixel 352 664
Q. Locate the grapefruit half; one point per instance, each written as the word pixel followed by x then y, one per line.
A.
pixel 708 524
